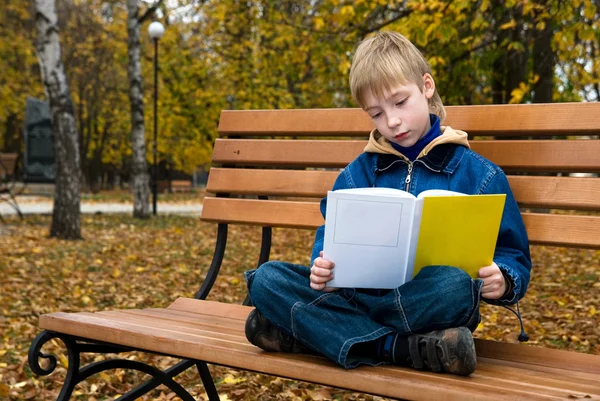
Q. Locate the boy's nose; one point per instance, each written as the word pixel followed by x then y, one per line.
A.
pixel 393 121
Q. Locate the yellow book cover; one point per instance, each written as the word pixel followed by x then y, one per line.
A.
pixel 459 231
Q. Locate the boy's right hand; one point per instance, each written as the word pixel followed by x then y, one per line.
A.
pixel 320 274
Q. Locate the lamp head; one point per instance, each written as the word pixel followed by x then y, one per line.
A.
pixel 156 30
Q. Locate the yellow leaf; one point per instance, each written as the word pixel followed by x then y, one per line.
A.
pixel 36 250
pixel 589 11
pixel 517 94
pixel 233 380
pixel 105 377
pixel 140 270
pixel 319 23
pixel 509 25
pixel 85 299
pixel 116 273
pixel 347 11
pixel 3 390
pixel 592 311
pixel 63 360
pixel 76 292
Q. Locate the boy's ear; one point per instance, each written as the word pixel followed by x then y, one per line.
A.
pixel 428 85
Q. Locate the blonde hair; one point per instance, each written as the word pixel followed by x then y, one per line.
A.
pixel 386 60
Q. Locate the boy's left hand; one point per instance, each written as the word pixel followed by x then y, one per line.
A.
pixel 494 285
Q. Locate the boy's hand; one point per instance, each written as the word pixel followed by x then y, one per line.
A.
pixel 320 274
pixel 494 285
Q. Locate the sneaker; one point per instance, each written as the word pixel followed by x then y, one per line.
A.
pixel 263 334
pixel 450 351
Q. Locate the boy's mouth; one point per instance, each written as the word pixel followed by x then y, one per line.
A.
pixel 401 135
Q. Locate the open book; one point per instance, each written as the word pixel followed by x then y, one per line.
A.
pixel 382 237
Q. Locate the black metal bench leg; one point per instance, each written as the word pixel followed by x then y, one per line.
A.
pixel 207 380
pixel 73 357
pixel 75 374
pixel 151 384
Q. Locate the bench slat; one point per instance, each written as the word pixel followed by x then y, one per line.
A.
pixel 302 183
pixel 196 324
pixel 552 358
pixel 556 192
pixel 200 338
pixel 543 229
pixel 530 191
pixel 259 212
pixel 493 120
pixel 523 155
pixel 518 353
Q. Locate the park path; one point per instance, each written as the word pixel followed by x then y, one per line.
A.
pixel 45 205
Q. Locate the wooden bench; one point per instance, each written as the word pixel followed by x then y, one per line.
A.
pixel 272 167
pixel 174 186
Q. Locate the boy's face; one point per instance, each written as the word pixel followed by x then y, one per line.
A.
pixel 402 114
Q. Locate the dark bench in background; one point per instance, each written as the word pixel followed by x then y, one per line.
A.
pixel 8 180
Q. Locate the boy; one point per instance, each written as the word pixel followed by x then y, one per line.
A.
pixel 427 322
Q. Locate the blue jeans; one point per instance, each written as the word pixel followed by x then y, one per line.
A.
pixel 439 297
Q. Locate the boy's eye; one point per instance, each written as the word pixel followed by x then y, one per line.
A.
pixel 376 115
pixel 400 102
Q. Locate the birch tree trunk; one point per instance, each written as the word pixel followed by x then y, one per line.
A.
pixel 140 179
pixel 66 213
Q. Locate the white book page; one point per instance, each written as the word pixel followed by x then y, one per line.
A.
pixel 376 191
pixel 439 192
pixel 368 237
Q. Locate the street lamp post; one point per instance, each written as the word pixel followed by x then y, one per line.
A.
pixel 155 31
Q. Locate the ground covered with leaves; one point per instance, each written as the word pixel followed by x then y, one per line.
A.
pixel 128 263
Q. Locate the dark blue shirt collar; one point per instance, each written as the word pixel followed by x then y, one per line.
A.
pixel 413 151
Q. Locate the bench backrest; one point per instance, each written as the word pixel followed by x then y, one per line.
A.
pixel 290 159
pixel 7 164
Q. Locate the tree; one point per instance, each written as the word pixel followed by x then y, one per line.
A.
pixel 20 70
pixel 140 179
pixel 66 213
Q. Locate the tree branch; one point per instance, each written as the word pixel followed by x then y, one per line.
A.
pixel 150 11
pixel 366 31
pixel 467 53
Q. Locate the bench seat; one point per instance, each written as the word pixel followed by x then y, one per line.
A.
pixel 214 332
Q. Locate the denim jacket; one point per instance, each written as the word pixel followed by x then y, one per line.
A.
pixel 446 163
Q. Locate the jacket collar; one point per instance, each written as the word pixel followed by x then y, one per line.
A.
pixel 442 154
pixel 443 158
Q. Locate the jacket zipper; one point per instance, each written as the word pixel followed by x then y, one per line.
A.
pixel 408 177
pixel 410 170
